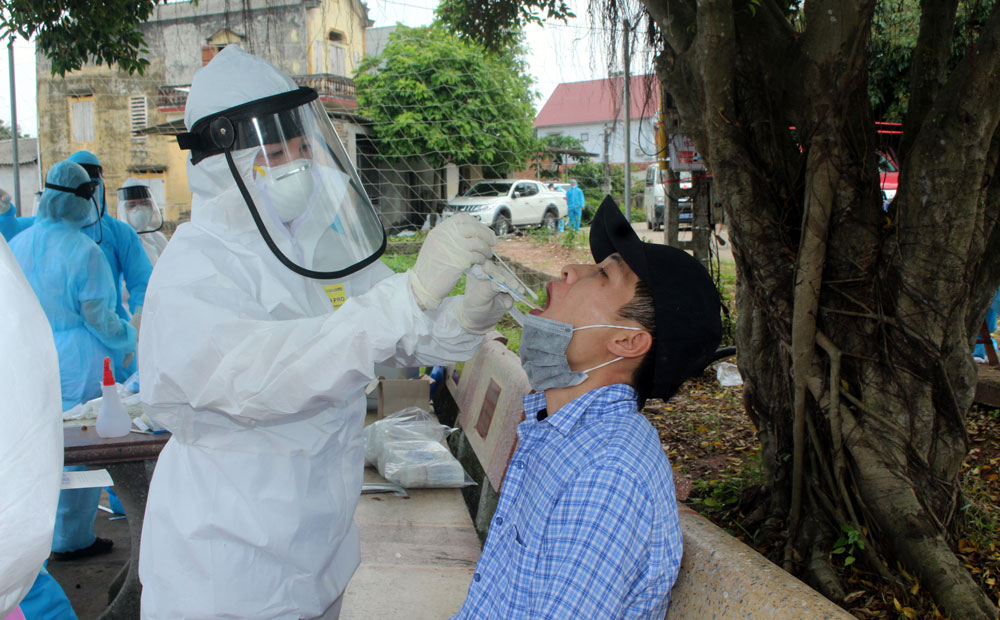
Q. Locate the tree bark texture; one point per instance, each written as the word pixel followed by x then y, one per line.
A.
pixel 855 324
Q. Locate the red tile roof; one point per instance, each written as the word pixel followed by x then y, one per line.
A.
pixel 596 101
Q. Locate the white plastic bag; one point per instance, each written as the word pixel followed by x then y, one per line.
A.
pixel 420 463
pixel 411 423
pixel 728 374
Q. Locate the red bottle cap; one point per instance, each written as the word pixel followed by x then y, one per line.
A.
pixel 109 377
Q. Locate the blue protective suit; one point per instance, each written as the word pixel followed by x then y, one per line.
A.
pixel 125 255
pixel 73 282
pixel 574 200
pixel 10 224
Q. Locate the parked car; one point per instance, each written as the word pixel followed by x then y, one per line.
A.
pixel 505 205
pixel 888 176
pixel 654 198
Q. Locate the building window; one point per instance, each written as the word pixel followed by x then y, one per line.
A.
pixel 81 117
pixel 138 119
pixel 336 36
pixel 584 137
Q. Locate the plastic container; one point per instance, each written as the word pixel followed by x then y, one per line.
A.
pixel 112 418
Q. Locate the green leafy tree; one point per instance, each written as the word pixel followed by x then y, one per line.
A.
pixel 498 25
pixel 436 96
pixel 71 32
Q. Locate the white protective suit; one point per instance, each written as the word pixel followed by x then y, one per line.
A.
pixel 31 442
pixel 153 243
pixel 260 380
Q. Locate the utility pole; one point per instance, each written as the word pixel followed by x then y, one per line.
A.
pixel 628 123
pixel 16 198
pixel 607 163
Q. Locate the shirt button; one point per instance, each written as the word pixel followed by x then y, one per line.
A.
pixel 519 464
pixel 499 520
pixel 476 577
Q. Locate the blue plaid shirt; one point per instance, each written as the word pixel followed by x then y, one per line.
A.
pixel 586 527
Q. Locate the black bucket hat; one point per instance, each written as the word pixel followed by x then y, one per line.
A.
pixel 687 304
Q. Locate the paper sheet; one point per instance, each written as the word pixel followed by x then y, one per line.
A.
pixel 90 479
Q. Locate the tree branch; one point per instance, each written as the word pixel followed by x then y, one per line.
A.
pixel 929 65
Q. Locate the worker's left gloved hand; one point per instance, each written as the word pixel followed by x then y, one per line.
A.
pixel 483 303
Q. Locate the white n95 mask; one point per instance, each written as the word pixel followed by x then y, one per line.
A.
pixel 287 187
pixel 543 353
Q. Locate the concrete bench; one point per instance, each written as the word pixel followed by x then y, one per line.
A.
pixel 720 577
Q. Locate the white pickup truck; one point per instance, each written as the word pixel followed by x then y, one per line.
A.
pixel 508 204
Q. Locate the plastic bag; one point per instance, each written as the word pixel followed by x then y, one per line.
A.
pixel 411 423
pixel 728 374
pixel 421 463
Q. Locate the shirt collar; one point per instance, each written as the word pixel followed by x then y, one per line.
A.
pixel 566 418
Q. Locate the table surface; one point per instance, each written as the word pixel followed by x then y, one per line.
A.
pixel 83 446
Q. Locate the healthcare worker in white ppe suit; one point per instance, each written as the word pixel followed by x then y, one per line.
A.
pixel 263 321
pixel 31 443
pixel 137 206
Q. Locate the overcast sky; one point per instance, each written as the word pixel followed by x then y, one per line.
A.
pixel 558 53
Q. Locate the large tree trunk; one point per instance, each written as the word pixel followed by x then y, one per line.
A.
pixel 854 324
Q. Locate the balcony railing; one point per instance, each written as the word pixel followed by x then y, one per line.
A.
pixel 336 87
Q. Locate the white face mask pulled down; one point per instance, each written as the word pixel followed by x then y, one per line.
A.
pixel 543 352
pixel 287 187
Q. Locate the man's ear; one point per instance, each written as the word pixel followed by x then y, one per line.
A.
pixel 630 344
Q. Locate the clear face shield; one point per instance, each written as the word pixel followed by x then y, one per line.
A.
pixel 137 207
pixel 97 174
pixel 302 190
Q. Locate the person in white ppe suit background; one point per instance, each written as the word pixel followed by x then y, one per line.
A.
pixel 263 322
pixel 138 208
pixel 31 444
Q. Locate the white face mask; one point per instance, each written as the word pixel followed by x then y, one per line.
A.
pixel 139 217
pixel 288 187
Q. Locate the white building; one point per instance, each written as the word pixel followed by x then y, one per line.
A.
pixel 591 111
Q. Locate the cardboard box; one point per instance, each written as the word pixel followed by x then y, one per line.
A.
pixel 397 394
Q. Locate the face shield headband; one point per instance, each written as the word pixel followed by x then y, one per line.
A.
pixel 346 210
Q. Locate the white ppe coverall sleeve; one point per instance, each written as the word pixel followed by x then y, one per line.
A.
pixel 31 442
pixel 235 359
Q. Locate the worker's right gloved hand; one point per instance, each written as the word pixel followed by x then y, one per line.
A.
pixel 4 202
pixel 451 247
pixel 484 302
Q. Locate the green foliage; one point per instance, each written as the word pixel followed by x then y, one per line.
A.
pixel 7 134
pixel 895 26
pixel 850 541
pixel 498 25
pixel 434 95
pixel 71 32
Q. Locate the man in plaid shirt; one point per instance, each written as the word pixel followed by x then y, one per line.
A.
pixel 586 527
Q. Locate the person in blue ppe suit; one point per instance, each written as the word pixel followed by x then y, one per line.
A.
pixel 10 224
pixel 128 261
pixel 574 200
pixel 75 287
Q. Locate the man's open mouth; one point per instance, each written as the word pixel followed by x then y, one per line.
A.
pixel 548 299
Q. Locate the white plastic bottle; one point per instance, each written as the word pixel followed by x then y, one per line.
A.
pixel 112 419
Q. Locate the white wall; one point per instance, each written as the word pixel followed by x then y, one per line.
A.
pixel 643 142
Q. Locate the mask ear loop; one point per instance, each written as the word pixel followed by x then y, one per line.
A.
pixel 608 363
